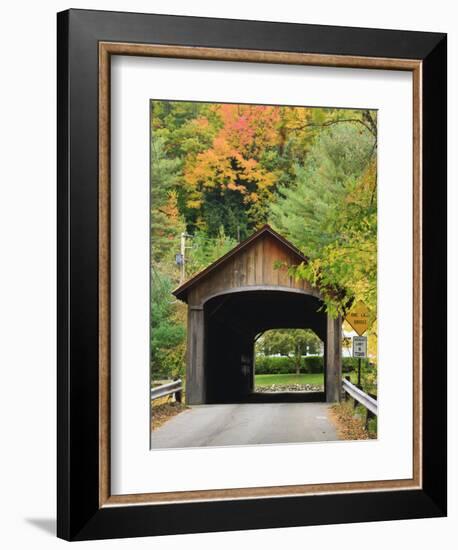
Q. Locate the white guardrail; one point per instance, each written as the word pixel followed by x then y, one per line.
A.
pixel 353 391
pixel 167 389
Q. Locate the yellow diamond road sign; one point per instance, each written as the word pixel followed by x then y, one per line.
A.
pixel 359 318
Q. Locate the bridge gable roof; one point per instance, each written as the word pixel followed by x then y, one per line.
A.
pixel 182 291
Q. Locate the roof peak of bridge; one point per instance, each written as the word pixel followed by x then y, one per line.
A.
pixel 182 290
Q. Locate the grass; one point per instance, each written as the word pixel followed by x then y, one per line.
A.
pixel 270 379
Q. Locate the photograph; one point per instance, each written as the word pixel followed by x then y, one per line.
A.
pixel 263 283
pixel 251 283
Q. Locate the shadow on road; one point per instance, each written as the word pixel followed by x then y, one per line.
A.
pixel 284 397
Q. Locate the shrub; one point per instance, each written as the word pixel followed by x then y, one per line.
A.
pixel 311 364
pixel 274 365
pixel 286 365
pixel 350 364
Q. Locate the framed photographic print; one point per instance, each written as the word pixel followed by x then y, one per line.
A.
pixel 252 274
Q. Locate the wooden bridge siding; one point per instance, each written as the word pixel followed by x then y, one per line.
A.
pixel 253 266
pixel 333 371
pixel 195 357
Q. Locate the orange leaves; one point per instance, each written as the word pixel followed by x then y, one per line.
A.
pixel 212 167
pixel 201 122
pixel 170 209
pixel 232 163
pixel 224 167
pixel 234 187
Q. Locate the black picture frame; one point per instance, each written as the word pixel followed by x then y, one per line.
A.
pixel 79 515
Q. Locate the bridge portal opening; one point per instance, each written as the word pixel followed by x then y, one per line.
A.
pixel 233 322
pixel 288 361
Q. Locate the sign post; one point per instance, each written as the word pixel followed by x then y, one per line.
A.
pixel 359 318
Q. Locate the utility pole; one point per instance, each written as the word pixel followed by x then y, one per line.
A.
pixel 181 257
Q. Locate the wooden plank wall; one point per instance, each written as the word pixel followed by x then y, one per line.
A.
pixel 252 266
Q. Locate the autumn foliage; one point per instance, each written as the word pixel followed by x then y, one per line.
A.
pixel 220 171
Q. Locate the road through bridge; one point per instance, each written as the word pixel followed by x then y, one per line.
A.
pixel 246 424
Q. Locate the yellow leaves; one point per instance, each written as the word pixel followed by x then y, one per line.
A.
pixel 220 146
pixel 249 165
pixel 201 122
pixel 171 207
pixel 194 203
pixel 363 191
pixel 372 342
pixel 296 118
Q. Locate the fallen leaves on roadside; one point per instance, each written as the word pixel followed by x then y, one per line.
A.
pixel 164 412
pixel 348 426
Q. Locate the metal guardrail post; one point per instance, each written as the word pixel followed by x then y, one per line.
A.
pixel 175 387
pixel 346 395
pixel 179 396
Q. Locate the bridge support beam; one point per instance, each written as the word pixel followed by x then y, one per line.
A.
pixel 195 367
pixel 334 360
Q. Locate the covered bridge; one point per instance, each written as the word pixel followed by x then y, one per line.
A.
pixel 239 296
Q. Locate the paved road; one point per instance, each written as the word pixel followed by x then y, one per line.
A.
pixel 247 424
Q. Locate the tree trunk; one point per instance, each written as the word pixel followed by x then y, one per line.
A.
pixel 298 360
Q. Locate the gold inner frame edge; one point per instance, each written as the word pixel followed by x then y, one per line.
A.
pixel 106 50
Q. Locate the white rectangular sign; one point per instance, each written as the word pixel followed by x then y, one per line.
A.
pixel 360 346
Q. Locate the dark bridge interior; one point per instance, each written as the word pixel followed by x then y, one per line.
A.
pixel 232 322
